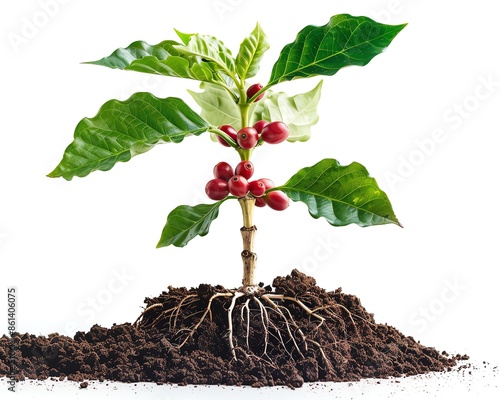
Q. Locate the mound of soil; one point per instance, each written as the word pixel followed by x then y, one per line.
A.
pixel 288 334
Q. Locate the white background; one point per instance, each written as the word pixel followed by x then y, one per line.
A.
pixel 83 252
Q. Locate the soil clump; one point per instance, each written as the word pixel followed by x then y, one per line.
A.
pixel 205 335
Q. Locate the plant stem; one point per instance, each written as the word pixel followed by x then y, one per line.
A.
pixel 245 154
pixel 225 136
pixel 244 105
pixel 244 111
pixel 248 232
pixel 247 204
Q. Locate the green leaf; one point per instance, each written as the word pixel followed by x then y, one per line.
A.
pixel 162 59
pixel 123 129
pixel 211 51
pixel 217 106
pixel 341 194
pixel 251 51
pixel 184 223
pixel 122 58
pixel 323 50
pixel 299 112
pixel 184 36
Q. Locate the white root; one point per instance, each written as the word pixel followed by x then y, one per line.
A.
pixel 290 334
pixel 191 333
pixel 178 309
pixel 265 323
pixel 230 322
pixel 247 309
pixel 300 304
pixel 275 327
pixel 146 310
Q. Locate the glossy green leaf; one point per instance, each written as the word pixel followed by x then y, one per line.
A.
pixel 211 51
pixel 123 129
pixel 341 194
pixel 123 57
pixel 251 51
pixel 161 59
pixel 184 223
pixel 323 50
pixel 299 112
pixel 217 106
pixel 185 37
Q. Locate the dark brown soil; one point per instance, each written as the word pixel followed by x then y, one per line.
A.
pixel 280 344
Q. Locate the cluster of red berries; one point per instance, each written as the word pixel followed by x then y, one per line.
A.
pixel 237 182
pixel 262 131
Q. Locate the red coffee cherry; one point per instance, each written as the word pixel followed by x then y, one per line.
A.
pixel 257 188
pixel 223 171
pixel 238 186
pixel 260 202
pixel 252 91
pixel 247 137
pixel 245 169
pixel 217 189
pixel 278 201
pixel 259 125
pixel 275 132
pixel 230 131
pixel 268 183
